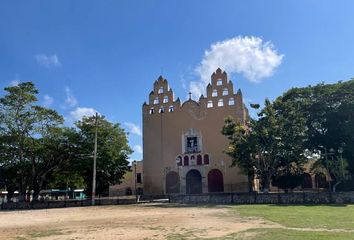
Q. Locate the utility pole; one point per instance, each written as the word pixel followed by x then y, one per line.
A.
pixel 135 176
pixel 94 163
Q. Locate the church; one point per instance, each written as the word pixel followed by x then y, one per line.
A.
pixel 183 148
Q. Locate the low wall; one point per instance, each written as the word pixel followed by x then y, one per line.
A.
pixel 211 198
pixel 266 198
pixel 63 204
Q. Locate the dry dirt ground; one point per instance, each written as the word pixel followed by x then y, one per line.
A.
pixel 146 221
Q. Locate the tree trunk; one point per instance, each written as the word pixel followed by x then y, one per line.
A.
pixel 266 183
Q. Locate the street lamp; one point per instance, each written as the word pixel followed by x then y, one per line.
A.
pixel 340 151
pixel 94 163
pixel 326 156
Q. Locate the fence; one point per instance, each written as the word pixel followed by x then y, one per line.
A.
pixel 266 198
pixel 208 198
pixel 65 203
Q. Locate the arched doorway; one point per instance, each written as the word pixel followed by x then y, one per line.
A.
pixel 172 182
pixel 215 181
pixel 193 182
pixel 306 181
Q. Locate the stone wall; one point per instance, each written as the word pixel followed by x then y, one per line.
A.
pixel 266 198
pixel 63 204
pixel 214 198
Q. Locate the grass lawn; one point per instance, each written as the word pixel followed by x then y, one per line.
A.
pixel 280 234
pixel 308 216
pixel 300 222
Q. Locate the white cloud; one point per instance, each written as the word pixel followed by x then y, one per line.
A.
pixel 14 83
pixel 196 88
pixel 133 128
pixel 249 56
pixel 81 112
pixel 138 149
pixel 48 60
pixel 70 99
pixel 47 101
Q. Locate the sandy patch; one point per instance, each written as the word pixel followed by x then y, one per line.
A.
pixel 146 221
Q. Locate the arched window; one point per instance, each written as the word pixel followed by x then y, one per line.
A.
pixel 206 159
pixel 210 104
pixel 179 161
pixel 151 111
pixel 161 110
pixel 225 92
pixel 193 160
pixel 214 93
pixel 231 101
pixel 199 160
pixel 220 103
pixel 219 82
pixel 170 109
pixel 165 99
pixel 160 90
pixel 156 100
pixel 186 161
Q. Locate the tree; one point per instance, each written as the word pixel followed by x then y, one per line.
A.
pixel 328 111
pixel 27 131
pixel 242 147
pixel 271 144
pixel 112 153
pixel 49 153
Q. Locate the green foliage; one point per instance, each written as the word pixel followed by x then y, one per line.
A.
pixel 36 151
pixel 112 153
pixel 26 128
pixel 263 144
pixel 328 111
pixel 298 124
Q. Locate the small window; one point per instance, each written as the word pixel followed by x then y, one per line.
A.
pixel 214 93
pixel 225 92
pixel 210 104
pixel 206 159
pixel 231 101
pixel 151 111
pixel 160 90
pixel 138 178
pixel 156 101
pixel 193 160
pixel 220 103
pixel 161 110
pixel 179 161
pixel 186 161
pixel 199 160
pixel 165 99
pixel 171 109
pixel 219 82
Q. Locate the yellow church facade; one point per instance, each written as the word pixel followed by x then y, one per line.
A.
pixel 183 148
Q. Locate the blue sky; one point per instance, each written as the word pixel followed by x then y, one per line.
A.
pixel 104 56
